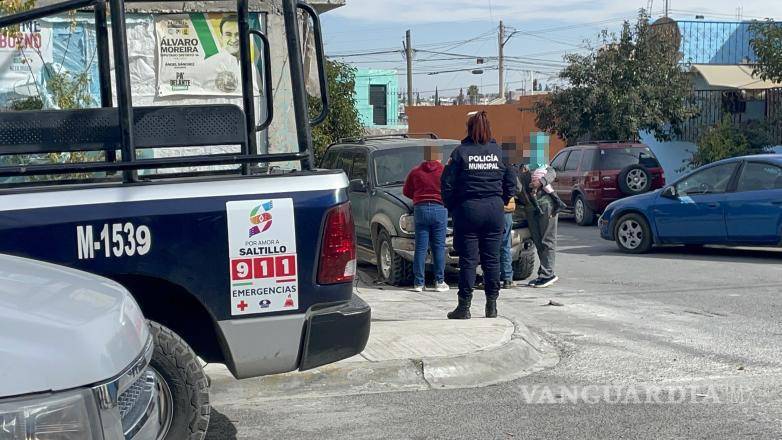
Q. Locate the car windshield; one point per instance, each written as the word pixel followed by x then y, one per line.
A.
pixel 393 165
pixel 619 158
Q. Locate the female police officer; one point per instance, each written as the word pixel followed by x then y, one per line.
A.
pixel 476 185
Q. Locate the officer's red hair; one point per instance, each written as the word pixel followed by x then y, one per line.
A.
pixel 479 129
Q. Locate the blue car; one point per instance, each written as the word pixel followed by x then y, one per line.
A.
pixel 736 201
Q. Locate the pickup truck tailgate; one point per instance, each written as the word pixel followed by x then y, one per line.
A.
pixel 246 248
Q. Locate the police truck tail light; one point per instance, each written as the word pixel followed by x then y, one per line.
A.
pixel 338 251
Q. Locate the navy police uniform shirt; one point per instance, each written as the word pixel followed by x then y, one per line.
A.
pixel 477 171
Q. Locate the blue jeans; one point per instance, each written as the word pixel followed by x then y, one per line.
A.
pixel 506 262
pixel 431 222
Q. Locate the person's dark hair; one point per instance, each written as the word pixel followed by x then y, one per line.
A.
pixel 226 19
pixel 479 129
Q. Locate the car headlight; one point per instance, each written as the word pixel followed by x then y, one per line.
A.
pixel 71 415
pixel 407 224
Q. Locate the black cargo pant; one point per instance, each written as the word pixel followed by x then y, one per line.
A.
pixel 478 228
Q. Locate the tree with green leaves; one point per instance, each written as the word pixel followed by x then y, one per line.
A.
pixel 343 120
pixel 766 41
pixel 633 82
pixel 8 7
pixel 64 90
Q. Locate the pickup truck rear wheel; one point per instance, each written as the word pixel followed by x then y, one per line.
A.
pixel 392 268
pixel 183 387
pixel 524 266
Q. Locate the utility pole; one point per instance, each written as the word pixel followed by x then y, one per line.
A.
pixel 502 59
pixel 409 55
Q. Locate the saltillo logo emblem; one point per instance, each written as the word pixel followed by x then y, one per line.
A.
pixel 261 218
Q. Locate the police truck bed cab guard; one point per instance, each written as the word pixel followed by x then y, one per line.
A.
pixel 127 128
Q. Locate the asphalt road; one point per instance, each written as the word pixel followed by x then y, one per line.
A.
pixel 674 344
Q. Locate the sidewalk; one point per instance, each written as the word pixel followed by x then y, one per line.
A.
pixel 412 346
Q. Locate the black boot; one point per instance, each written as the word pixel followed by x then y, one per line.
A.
pixel 491 308
pixel 462 311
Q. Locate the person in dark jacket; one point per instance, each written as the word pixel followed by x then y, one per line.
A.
pixel 431 218
pixel 512 158
pixel 541 209
pixel 476 186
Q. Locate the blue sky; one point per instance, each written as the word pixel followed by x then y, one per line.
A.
pixel 547 29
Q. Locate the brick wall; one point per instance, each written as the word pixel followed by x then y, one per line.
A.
pixel 512 125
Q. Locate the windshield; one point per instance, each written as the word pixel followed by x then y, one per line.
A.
pixel 619 158
pixel 392 166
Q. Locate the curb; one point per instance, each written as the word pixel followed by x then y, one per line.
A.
pixel 524 354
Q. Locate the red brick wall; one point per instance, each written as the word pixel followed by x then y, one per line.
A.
pixel 511 123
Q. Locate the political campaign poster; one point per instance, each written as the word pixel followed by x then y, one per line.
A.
pixel 23 55
pixel 198 54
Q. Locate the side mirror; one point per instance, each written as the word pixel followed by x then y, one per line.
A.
pixel 669 193
pixel 357 185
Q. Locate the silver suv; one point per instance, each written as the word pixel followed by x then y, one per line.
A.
pixel 74 357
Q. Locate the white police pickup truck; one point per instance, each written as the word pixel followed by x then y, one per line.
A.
pixel 75 355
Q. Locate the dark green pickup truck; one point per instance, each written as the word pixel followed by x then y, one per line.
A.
pixel 385 230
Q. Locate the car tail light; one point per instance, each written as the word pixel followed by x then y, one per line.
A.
pixel 338 251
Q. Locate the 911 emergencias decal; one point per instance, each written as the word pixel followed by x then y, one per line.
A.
pixel 262 251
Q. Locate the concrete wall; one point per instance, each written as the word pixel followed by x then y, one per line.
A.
pixel 673 156
pixel 388 78
pixel 512 124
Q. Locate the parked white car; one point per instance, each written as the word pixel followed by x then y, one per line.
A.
pixel 74 357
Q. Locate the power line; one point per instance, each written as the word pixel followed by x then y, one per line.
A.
pixel 547 38
pixel 464 70
pixel 361 54
pixel 482 37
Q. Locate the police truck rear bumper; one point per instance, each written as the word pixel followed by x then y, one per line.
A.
pixel 335 333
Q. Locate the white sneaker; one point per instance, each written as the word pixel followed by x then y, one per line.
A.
pixel 418 289
pixel 442 287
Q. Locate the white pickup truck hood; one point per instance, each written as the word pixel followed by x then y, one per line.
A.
pixel 61 328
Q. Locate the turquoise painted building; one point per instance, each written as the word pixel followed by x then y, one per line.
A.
pixel 376 97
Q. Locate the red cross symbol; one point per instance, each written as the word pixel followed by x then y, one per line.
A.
pixel 242 305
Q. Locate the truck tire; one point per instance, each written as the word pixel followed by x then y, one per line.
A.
pixel 392 268
pixel 585 216
pixel 182 385
pixel 635 179
pixel 524 266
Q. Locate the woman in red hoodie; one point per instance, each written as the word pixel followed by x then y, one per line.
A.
pixel 431 218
